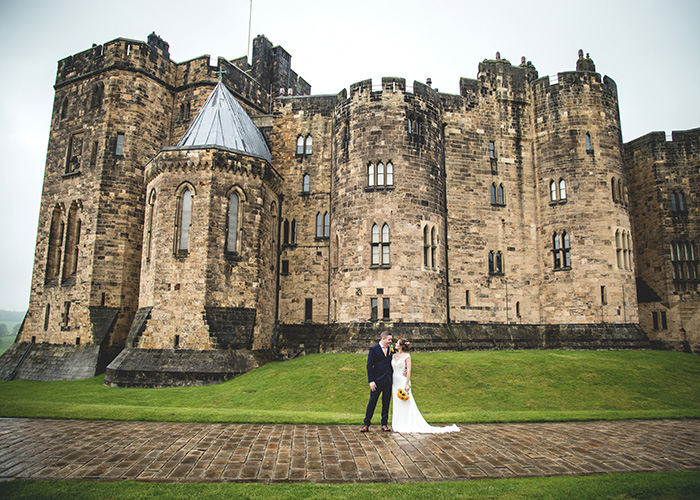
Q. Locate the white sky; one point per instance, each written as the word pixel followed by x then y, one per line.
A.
pixel 650 48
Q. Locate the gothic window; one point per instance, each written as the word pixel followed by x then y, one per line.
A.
pixel 426 247
pixel 562 189
pixel 389 174
pixel 380 245
pixel 53 260
pixel 552 191
pixel 683 259
pixel 493 194
pixel 623 247
pixel 433 248
pixel 495 262
pixel 497 195
pixel 119 149
pixel 233 222
pixel 300 145
pixel 183 222
pixel 149 223
pixel 306 184
pixel 561 251
pixel 370 174
pixel 326 225
pixel 70 259
pixel 501 195
pixel 589 147
pixel 309 147
pixel 380 174
pixel 293 235
pixel 319 225
pixel 410 126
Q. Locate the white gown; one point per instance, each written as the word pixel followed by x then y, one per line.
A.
pixel 405 415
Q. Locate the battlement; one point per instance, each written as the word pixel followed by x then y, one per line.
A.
pixel 678 139
pixel 575 81
pixel 152 58
pixel 389 85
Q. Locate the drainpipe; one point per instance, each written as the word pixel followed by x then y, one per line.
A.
pixel 275 333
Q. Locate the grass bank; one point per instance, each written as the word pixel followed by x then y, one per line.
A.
pixel 462 387
pixel 656 486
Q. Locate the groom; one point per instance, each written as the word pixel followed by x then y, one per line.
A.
pixel 379 374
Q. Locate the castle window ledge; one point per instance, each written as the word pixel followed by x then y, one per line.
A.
pixel 68 175
pixel 52 283
pixel 369 189
pixel 322 238
pixel 181 254
pixel 498 205
pixel 69 281
pixel 291 246
pixel 497 274
pixel 557 202
pixel 568 268
pixel 380 266
pixel 230 256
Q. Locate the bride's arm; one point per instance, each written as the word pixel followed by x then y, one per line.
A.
pixel 408 372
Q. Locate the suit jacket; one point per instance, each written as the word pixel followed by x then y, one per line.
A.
pixel 379 366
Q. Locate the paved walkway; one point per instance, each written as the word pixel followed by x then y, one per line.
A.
pixel 176 452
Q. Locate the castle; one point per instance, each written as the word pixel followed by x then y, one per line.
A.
pixel 199 220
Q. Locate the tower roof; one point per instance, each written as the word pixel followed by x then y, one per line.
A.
pixel 224 124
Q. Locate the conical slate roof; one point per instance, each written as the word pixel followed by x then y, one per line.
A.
pixel 223 123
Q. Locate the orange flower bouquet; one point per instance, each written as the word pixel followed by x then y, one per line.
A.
pixel 403 395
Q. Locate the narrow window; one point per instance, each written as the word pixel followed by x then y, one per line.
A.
pixel 319 225
pixel 491 263
pixel 119 150
pixel 385 244
pixel 308 310
pixel 386 309
pixel 501 195
pixel 176 341
pixel 553 191
pixel 185 218
pixel 664 323
pixel 326 225
pixel 674 203
pixel 681 201
pixel 53 261
pixel 293 237
pixel 517 309
pixel 618 246
pixel 47 316
pixel 499 263
pixel 374 314
pixel 375 245
pixel 70 253
pixel 300 145
pixel 77 340
pixel 655 320
pixel 492 150
pixel 556 247
pixel 614 191
pixel 426 247
pixel 66 314
pixel 603 296
pixel 380 174
pixel 309 147
pixel 370 174
pixel 410 126
pixel 232 231
pixel 562 189
pixel 285 267
pixel 588 142
pixel 625 251
pixel 566 250
pixel 149 223
pixel 64 108
pixel 467 298
pixel 306 185
pixel 433 248
pixel 285 232
pixel 389 174
pixel 493 194
pixel 619 191
pixel 93 154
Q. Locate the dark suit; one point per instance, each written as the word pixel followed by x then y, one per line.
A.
pixel 379 371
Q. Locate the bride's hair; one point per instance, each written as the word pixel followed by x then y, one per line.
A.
pixel 405 345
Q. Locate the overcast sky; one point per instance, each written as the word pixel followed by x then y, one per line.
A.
pixel 650 48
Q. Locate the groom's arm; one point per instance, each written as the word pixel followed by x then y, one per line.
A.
pixel 370 371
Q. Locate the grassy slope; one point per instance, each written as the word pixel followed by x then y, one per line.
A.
pixel 449 387
pixel 672 485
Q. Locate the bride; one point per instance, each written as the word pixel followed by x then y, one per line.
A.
pixel 405 414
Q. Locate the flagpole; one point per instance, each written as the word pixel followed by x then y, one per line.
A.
pixel 250 18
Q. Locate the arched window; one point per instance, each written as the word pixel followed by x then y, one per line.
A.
pixel 293 237
pixel 629 250
pixel 370 174
pixel 385 245
pixel 556 251
pixel 309 147
pixel 149 223
pixel 553 191
pixel 499 262
pixel 433 248
pixel 389 174
pixel 614 189
pixel 306 183
pixel 285 232
pixel 619 191
pixel 426 247
pixel 492 265
pixel 619 250
pixel 70 259
pixel 493 193
pixel 501 195
pixel 300 145
pixel 410 126
pixel 319 225
pixel 376 245
pixel 566 250
pixel 588 142
pixel 562 189
pixel 233 225
pixel 380 174
pixel 326 225
pixel 53 260
pixel 561 251
pixel 681 201
pixel 184 222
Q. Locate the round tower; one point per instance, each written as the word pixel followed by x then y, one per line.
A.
pixel 584 226
pixel 387 222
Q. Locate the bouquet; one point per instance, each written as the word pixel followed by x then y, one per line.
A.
pixel 403 395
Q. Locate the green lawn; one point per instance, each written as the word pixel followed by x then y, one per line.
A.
pixel 461 387
pixel 658 486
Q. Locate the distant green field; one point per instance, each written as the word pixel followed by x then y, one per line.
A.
pixel 461 387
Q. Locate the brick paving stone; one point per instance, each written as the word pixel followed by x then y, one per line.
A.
pixel 48 449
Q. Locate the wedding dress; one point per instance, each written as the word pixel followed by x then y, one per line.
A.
pixel 405 415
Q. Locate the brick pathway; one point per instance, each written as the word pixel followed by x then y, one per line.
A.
pixel 149 451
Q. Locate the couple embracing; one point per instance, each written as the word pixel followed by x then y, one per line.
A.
pixel 389 376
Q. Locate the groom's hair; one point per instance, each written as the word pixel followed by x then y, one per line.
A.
pixel 385 334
